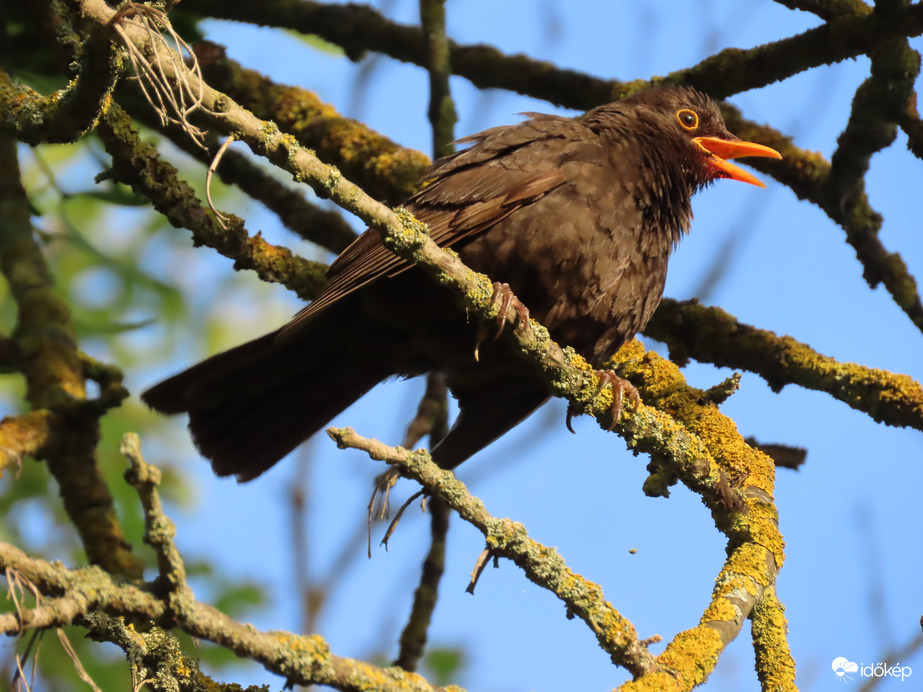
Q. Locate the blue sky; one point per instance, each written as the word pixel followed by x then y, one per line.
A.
pixel 850 517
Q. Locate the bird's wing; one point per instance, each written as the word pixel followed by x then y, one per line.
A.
pixel 466 193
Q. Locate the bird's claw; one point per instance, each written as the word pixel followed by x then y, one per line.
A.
pixel 620 387
pixel 510 310
pixel 508 301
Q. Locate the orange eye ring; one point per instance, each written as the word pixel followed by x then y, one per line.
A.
pixel 688 119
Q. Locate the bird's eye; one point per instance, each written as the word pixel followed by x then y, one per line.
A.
pixel 687 118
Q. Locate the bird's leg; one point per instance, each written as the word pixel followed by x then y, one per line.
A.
pixel 511 310
pixel 620 387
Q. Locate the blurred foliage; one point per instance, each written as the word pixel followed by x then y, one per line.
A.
pixel 443 665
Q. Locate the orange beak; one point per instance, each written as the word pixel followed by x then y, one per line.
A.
pixel 717 151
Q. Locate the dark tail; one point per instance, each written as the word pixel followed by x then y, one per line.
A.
pixel 250 406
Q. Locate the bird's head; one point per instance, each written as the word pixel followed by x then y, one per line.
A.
pixel 692 123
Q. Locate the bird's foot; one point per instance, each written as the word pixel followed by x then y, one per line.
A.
pixel 620 387
pixel 510 310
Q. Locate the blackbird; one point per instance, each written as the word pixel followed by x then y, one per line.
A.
pixel 577 215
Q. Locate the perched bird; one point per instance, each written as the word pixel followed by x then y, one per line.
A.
pixel 577 215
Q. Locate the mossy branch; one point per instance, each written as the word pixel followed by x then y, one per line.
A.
pixel 71 112
pixel 63 428
pixel 385 170
pixel 711 335
pixel 505 538
pixel 140 166
pixel 92 598
pixel 807 174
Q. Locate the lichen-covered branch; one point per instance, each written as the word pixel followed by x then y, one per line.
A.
pixel 505 538
pixel 711 335
pixel 324 227
pixel 385 170
pixel 140 166
pixel 69 113
pixel 689 659
pixel 359 28
pixel 63 428
pixel 92 598
pixel 80 596
pixel 807 173
pixel 828 9
pixel 775 666
pixel 741 502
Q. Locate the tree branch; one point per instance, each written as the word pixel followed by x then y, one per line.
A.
pixel 87 596
pixel 63 428
pixel 324 227
pixel 828 9
pixel 140 166
pixel 807 174
pixel 878 104
pixel 775 666
pixel 384 169
pixel 69 113
pixel 711 335
pixel 359 28
pixel 542 565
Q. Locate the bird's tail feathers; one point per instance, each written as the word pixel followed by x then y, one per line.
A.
pixel 250 406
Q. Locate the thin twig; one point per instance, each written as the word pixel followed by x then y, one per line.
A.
pixel 170 94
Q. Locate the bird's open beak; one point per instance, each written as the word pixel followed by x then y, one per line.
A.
pixel 717 151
